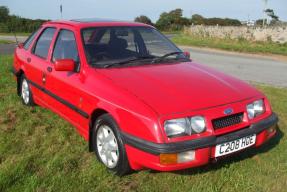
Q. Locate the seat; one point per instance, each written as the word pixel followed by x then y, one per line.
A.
pixel 117 48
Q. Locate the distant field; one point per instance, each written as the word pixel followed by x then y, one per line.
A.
pixel 12 34
pixel 39 151
pixel 240 45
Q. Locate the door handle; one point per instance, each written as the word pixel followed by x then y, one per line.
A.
pixel 28 59
pixel 49 69
pixel 44 78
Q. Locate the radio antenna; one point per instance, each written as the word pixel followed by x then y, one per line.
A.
pixel 15 38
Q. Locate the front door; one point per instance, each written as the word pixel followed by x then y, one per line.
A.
pixel 65 86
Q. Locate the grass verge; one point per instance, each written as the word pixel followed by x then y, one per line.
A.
pixel 39 151
pixel 240 45
pixel 5 41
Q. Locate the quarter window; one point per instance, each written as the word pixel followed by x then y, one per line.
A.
pixel 66 47
pixel 30 39
pixel 43 44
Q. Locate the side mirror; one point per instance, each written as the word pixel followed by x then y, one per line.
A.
pixel 65 65
pixel 187 54
pixel 20 45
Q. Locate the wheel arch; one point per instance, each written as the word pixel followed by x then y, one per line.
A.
pixel 95 114
pixel 18 75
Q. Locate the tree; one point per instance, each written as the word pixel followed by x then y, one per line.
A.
pixel 143 19
pixel 164 21
pixel 12 23
pixel 270 13
pixel 197 19
pixel 172 20
pixel 4 14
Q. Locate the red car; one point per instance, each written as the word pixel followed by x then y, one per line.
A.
pixel 138 100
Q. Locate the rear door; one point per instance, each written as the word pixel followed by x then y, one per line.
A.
pixel 37 63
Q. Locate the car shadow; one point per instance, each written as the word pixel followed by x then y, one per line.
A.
pixel 227 161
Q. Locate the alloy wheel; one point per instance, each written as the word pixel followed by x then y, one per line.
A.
pixel 107 146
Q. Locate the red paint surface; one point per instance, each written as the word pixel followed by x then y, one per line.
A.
pixel 140 98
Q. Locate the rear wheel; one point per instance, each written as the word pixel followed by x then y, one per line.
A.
pixel 108 145
pixel 25 92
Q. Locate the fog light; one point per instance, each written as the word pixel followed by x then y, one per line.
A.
pixel 185 156
pixel 169 159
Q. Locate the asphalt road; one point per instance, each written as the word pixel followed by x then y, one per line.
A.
pixel 9 48
pixel 246 67
pixel 260 69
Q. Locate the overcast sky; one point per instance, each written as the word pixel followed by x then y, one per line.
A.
pixel 129 9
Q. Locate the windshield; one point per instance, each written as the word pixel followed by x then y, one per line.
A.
pixel 111 46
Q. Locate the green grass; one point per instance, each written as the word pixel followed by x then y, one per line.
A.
pixel 240 45
pixel 2 41
pixel 171 32
pixel 39 151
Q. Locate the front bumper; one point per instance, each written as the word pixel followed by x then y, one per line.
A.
pixel 145 154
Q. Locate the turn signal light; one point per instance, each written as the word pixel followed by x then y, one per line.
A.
pixel 173 158
pixel 168 159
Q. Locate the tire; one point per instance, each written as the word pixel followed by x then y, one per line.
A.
pixel 25 92
pixel 108 145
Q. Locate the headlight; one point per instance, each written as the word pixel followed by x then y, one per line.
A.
pixel 177 127
pixel 198 124
pixel 256 108
pixel 184 126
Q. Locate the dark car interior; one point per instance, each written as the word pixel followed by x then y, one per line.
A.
pixel 105 44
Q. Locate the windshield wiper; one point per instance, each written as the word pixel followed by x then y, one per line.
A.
pixel 166 55
pixel 127 61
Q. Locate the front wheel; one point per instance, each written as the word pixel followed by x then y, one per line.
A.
pixel 108 145
pixel 25 92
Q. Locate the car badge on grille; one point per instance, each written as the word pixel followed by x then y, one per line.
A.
pixel 228 111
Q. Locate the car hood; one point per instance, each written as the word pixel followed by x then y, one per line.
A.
pixel 180 87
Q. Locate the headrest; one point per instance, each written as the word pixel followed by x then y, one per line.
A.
pixel 118 43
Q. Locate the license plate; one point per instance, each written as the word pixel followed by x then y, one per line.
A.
pixel 233 146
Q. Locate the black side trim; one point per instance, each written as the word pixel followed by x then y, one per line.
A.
pixel 64 102
pixel 156 148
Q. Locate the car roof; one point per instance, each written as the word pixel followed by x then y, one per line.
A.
pixel 94 22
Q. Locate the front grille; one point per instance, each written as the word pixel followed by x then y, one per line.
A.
pixel 227 121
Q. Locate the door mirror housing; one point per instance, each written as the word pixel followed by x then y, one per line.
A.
pixel 65 65
pixel 187 54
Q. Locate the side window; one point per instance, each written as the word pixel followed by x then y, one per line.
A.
pixel 43 44
pixel 65 46
pixel 106 37
pixel 30 39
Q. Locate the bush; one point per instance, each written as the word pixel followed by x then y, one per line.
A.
pixel 144 19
